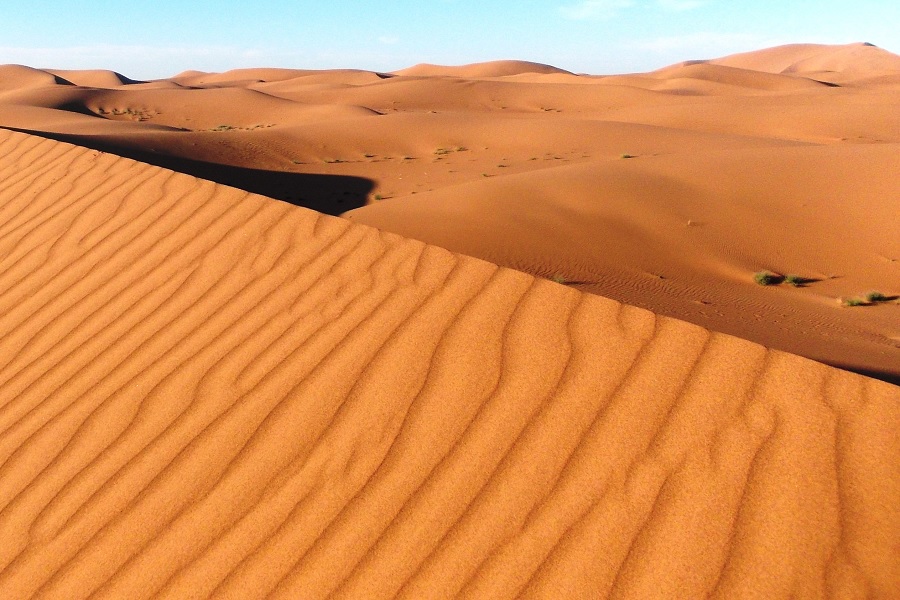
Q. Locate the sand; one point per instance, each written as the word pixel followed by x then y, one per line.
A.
pixel 206 392
pixel 211 393
pixel 779 160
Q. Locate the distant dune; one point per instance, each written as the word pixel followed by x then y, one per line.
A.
pixel 208 393
pixel 744 79
pixel 815 58
pixel 499 68
pixel 15 77
pixel 94 78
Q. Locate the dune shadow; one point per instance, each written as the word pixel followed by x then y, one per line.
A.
pixel 801 281
pixel 329 194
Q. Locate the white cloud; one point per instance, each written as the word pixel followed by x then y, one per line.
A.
pixel 680 5
pixel 389 39
pixel 595 9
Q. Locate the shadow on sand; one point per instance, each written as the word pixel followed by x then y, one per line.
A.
pixel 329 194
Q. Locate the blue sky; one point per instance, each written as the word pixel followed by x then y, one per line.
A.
pixel 160 38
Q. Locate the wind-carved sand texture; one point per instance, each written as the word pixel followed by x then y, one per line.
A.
pixel 207 393
pixel 666 190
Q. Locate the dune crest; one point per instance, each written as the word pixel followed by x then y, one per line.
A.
pixel 206 393
pixel 677 233
pixel 497 68
pixel 706 171
pixel 815 58
pixel 97 78
pixel 15 77
pixel 727 75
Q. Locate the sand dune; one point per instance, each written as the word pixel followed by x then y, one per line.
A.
pixel 740 77
pixel 498 68
pixel 97 78
pixel 15 77
pixel 242 77
pixel 753 143
pixel 815 58
pixel 683 234
pixel 206 393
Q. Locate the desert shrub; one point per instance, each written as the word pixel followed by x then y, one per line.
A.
pixel 852 301
pixel 876 297
pixel 767 278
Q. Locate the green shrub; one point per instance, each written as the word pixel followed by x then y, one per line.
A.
pixel 852 301
pixel 767 278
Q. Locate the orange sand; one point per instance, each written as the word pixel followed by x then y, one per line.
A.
pixel 209 393
pixel 781 159
pixel 205 392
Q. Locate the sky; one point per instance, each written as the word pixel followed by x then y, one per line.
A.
pixel 160 38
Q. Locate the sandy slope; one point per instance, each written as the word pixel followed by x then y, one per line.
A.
pixel 780 159
pixel 499 68
pixel 209 393
pixel 816 58
pixel 682 234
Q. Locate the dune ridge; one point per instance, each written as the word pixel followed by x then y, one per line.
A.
pixel 815 58
pixel 97 78
pixel 206 393
pixel 497 68
pixel 741 154
pixel 683 234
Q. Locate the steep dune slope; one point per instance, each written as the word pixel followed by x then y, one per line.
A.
pixel 209 393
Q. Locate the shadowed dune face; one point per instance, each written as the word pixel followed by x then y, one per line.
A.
pixel 206 393
pixel 668 190
pixel 329 194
